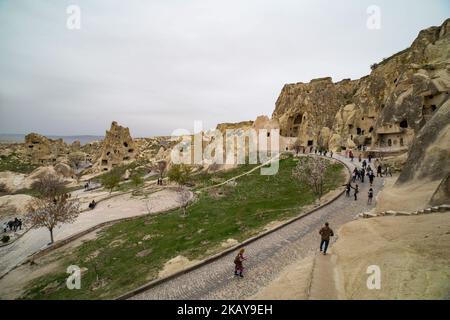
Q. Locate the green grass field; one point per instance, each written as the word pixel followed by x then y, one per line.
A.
pixel 120 259
pixel 12 163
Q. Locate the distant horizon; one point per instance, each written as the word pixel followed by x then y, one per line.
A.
pixel 155 67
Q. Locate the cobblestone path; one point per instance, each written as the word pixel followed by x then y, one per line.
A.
pixel 267 256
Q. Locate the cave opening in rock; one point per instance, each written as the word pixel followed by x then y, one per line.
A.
pixel 433 107
pixel 310 142
pixel 370 129
pixel 104 162
pixel 389 142
pixel 131 150
pixel 404 124
pixel 358 131
pixel 125 145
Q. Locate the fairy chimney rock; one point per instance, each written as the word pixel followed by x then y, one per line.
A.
pixel 118 148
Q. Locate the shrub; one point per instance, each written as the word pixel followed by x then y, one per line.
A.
pixel 5 239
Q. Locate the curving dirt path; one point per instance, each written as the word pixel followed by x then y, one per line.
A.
pixel 118 207
pixel 267 257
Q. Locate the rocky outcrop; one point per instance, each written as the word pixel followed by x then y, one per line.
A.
pixel 442 193
pixel 44 151
pixel 303 109
pixel 234 126
pixel 118 148
pixel 429 156
pixel 382 112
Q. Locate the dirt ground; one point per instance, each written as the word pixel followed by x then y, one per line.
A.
pixel 413 254
pixel 409 197
pixel 292 284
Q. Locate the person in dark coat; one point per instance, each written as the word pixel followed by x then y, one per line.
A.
pixel 370 196
pixel 379 171
pixel 355 194
pixel 326 232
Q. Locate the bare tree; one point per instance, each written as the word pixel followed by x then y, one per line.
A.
pixel 3 188
pixel 183 200
pixel 297 145
pixel 49 213
pixel 76 158
pixel 311 172
pixel 161 168
pixel 53 206
pixel 49 185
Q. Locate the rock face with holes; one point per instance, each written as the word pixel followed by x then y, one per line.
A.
pixel 118 148
pixel 382 112
pixel 44 151
pixel 303 109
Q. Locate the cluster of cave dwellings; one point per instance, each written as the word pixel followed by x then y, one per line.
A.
pixel 293 125
pixel 431 103
pixel 43 153
pixel 361 134
pixel 393 135
pixel 115 156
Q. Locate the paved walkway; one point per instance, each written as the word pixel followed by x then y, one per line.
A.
pixel 267 256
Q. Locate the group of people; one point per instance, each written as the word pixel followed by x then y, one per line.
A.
pixel 323 152
pixel 13 225
pixel 92 205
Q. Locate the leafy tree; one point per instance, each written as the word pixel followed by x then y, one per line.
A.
pixel 137 180
pixel 180 174
pixel 112 179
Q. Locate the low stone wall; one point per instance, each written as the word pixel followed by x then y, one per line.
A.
pixel 441 208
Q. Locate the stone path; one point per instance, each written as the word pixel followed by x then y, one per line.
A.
pixel 267 257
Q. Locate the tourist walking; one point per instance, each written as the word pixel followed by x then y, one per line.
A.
pixel 238 263
pixel 326 232
pixel 355 194
pixel 387 171
pixel 370 196
pixel 364 164
pixel 371 177
pixel 348 188
pixel 379 170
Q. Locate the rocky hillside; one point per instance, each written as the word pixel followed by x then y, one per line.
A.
pixel 383 111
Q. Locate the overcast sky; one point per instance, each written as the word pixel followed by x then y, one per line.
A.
pixel 156 66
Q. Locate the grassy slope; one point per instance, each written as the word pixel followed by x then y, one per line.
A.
pixel 225 212
pixel 12 163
